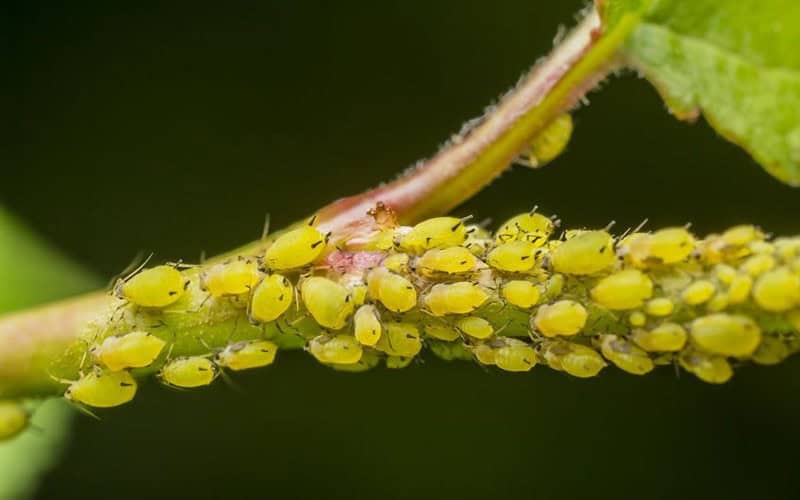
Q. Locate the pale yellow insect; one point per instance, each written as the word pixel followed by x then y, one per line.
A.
pixel 462 297
pixel 102 389
pixel 671 245
pixel 660 306
pixel 707 367
pixel 521 293
pixel 188 372
pixel 271 298
pixel 532 227
pixel 395 292
pixel 441 332
pixel 623 290
pixel 329 303
pixel 666 337
pixel 757 265
pixel 625 355
pixel 726 334
pixel 514 256
pixel 400 339
pixel 565 317
pixel 698 292
pixel 438 232
pixel 777 290
pixel 514 355
pixel 156 287
pixel 771 351
pixel 453 260
pixel 587 253
pixel 551 142
pixel 336 349
pixel 132 350
pixel 13 419
pixel 367 325
pixel 234 277
pixel 296 248
pixel 575 359
pixel 247 354
pixel 397 262
pixel 475 327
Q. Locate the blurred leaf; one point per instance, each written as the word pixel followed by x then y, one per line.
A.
pixel 31 273
pixel 735 61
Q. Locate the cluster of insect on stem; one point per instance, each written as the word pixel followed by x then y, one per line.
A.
pixel 577 302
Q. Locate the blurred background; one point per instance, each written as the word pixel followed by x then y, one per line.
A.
pixel 175 128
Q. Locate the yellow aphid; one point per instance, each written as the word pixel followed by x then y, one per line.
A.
pixel 234 277
pixel 637 319
pixel 397 262
pixel 787 248
pixel 367 326
pixel 132 350
pixel 328 302
pixel 337 349
pixel 296 248
pixel 246 355
pixel 397 362
pixel 453 260
pixel 439 232
pixel 726 334
pixel 719 302
pixel 666 337
pixel 400 339
pixel 477 246
pixel 521 293
pixel 741 235
pixel 771 351
pixel 515 256
pixel 551 141
pixel 158 286
pixel 725 273
pixel 188 371
pixel 708 368
pixel 623 290
pixel 534 228
pixel 588 253
pixel 102 389
pixel 564 317
pixel 475 327
pixel 625 355
pixel 462 297
pixel 13 419
pixel 761 247
pixel 271 298
pixel 441 332
pixel 758 264
pixel 777 290
pixel 369 359
pixel 484 353
pixel 671 245
pixel 575 359
pixel 358 291
pixel 660 306
pixel 739 289
pixel 698 292
pixel 395 292
pixel 634 248
pixel 515 356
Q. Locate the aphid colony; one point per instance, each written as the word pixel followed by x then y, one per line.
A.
pixel 519 297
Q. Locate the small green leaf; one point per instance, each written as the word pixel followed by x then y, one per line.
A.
pixel 736 61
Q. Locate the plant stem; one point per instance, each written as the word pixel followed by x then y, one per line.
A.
pixel 458 171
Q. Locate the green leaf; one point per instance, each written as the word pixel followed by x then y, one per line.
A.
pixel 735 61
pixel 31 273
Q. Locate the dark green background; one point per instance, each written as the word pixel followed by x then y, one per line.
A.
pixel 174 128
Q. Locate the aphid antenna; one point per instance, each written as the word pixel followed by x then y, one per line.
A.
pixel 641 225
pixel 86 411
pixel 507 323
pixel 125 271
pixel 265 229
pixel 229 380
pixel 138 268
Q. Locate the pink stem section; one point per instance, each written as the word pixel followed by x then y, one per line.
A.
pixel 417 193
